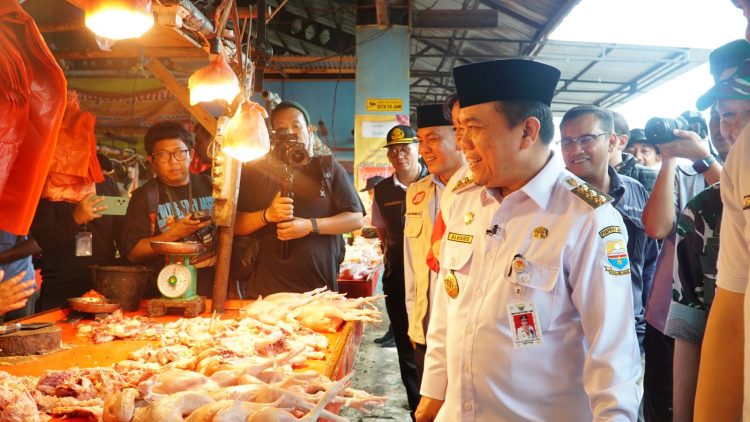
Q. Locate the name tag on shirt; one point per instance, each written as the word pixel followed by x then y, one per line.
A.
pixel 524 325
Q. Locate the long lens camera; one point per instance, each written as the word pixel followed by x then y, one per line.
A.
pixel 659 129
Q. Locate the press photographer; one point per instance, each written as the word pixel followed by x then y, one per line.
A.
pixel 297 193
pixel 675 184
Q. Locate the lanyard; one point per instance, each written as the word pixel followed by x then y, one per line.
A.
pixel 176 204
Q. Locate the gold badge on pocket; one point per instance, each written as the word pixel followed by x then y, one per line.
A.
pixel 540 233
pixel 451 284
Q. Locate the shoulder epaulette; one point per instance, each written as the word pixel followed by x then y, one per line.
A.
pixel 464 183
pixel 588 192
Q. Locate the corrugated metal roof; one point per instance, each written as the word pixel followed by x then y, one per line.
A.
pixel 317 38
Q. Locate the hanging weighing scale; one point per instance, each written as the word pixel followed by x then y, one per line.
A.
pixel 178 280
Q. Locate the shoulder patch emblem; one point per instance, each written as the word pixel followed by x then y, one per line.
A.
pixel 746 202
pixel 617 254
pixel 591 195
pixel 464 182
pixel 609 230
pixel 418 198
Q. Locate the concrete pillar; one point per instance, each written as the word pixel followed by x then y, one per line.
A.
pixel 381 98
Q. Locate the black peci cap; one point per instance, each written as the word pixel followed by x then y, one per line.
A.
pixel 499 80
pixel 430 116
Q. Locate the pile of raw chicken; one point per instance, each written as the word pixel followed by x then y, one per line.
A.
pixel 362 259
pixel 205 369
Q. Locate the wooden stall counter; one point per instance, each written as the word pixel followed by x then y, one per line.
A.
pixel 82 352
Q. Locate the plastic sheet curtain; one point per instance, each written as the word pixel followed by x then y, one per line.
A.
pixel 32 103
pixel 74 169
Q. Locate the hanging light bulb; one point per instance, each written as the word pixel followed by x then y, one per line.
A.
pixel 247 135
pixel 119 19
pixel 216 81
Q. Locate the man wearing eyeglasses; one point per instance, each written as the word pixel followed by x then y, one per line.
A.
pixel 588 138
pixel 388 217
pixel 162 209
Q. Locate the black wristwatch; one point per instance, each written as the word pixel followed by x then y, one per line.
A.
pixel 701 166
pixel 315 231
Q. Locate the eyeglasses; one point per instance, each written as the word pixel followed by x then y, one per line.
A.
pixel 164 156
pixel 583 140
pixel 394 152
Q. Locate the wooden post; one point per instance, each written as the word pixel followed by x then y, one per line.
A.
pixel 225 212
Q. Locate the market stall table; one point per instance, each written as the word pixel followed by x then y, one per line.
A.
pixel 80 351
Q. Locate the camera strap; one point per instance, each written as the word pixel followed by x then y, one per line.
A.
pixel 176 204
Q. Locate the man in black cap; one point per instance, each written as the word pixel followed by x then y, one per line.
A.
pixel 388 217
pixel 645 154
pixel 525 236
pixel 438 148
pixel 624 162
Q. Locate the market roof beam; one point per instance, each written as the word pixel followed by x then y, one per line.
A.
pixel 182 94
pixel 126 53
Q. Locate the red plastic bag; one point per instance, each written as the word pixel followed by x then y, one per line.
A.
pixel 74 168
pixel 32 112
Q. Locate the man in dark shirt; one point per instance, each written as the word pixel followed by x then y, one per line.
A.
pixel 388 217
pixel 587 137
pixel 163 207
pixel 625 163
pixel 324 206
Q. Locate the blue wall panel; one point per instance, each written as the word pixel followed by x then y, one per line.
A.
pixel 318 98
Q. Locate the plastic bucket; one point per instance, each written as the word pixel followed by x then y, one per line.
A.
pixel 121 284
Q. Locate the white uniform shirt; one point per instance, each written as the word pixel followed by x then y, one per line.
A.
pixel 588 363
pixel 734 249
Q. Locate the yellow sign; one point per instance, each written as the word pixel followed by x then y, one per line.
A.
pixel 384 104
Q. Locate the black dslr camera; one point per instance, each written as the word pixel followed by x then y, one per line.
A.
pixel 286 149
pixel 659 130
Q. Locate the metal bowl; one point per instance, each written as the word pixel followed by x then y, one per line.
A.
pixel 92 305
pixel 177 248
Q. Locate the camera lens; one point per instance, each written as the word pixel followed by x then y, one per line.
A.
pixel 659 129
pixel 298 155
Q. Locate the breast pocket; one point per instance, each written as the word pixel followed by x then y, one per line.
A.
pixel 455 261
pixel 538 285
pixel 413 226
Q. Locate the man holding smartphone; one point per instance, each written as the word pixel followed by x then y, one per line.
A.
pixel 175 206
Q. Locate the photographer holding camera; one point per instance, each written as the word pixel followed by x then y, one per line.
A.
pixel 297 194
pixel 675 184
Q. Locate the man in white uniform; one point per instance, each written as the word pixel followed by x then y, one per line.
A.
pixel 437 146
pixel 526 237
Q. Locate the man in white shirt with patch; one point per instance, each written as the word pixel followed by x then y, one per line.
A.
pixel 527 238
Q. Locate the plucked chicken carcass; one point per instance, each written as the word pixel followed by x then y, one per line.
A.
pixel 320 310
